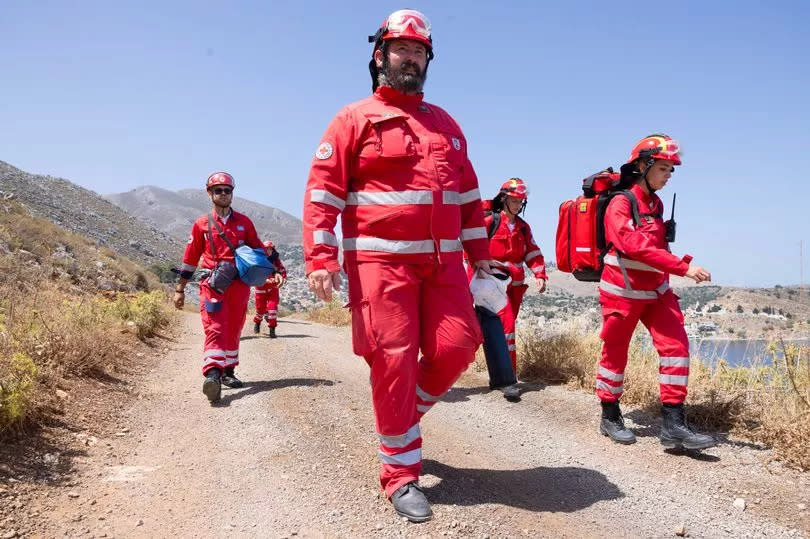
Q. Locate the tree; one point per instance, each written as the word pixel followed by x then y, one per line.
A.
pixel 740 309
pixel 755 311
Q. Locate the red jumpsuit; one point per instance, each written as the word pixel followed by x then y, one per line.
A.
pixel 267 295
pixel 397 169
pixel 510 250
pixel 635 286
pixel 223 315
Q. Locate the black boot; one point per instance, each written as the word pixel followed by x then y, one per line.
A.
pixel 212 386
pixel 271 331
pixel 612 424
pixel 511 393
pixel 675 431
pixel 410 502
pixel 256 326
pixel 230 379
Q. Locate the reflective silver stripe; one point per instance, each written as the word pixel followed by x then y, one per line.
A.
pixel 321 195
pixel 630 264
pixel 533 254
pixel 231 352
pixel 609 388
pixel 511 347
pixel 424 408
pixel 509 336
pixel 272 311
pixel 425 396
pixel 211 353
pixel 674 361
pixel 663 288
pixel 187 267
pixel 476 233
pixel 451 197
pixel 324 237
pixel 262 291
pixel 610 375
pixel 470 196
pixel 673 379
pixel 631 294
pixel 402 440
pixel 408 458
pixel 373 198
pixel 450 246
pixel 517 283
pixel 387 246
pixel 212 361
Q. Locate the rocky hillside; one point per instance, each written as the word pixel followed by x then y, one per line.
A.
pixel 88 214
pixel 174 212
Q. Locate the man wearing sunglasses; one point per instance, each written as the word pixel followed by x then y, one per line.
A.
pixel 396 168
pixel 213 238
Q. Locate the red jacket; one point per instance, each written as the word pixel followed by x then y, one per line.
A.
pixel 276 260
pixel 397 169
pixel 641 251
pixel 239 229
pixel 511 249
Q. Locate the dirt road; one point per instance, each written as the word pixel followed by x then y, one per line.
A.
pixel 293 453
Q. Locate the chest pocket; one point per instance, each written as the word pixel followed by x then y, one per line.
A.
pixel 393 136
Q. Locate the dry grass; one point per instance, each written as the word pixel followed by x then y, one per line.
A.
pixel 768 402
pixel 331 314
pixel 55 323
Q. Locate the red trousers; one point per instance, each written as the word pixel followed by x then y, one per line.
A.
pixel 398 309
pixel 508 316
pixel 223 316
pixel 267 306
pixel 664 320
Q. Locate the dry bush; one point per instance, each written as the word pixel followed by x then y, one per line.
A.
pixel 331 314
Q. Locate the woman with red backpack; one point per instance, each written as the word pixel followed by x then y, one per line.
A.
pixel 511 245
pixel 634 287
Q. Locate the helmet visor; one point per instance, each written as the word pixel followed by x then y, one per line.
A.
pixel 400 20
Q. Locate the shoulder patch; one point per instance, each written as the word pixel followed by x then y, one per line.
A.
pixel 324 151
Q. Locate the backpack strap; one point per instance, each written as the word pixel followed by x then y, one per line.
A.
pixel 494 224
pixel 221 234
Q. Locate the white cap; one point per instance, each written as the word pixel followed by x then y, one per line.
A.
pixel 489 291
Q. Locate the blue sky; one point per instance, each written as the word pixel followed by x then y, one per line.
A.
pixel 114 95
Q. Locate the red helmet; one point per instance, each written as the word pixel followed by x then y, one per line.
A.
pixel 657 147
pixel 269 247
pixel 515 187
pixel 404 24
pixel 220 178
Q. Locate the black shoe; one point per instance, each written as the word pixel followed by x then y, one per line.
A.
pixel 271 331
pixel 410 502
pixel 676 432
pixel 212 386
pixel 256 326
pixel 229 379
pixel 511 393
pixel 612 424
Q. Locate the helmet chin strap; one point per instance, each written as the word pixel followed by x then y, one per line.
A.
pixel 650 163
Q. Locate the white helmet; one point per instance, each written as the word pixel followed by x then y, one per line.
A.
pixel 489 291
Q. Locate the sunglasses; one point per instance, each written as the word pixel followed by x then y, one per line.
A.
pixel 222 191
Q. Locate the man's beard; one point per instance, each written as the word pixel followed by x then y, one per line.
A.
pixel 399 79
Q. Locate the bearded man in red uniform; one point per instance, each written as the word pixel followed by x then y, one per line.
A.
pixel 635 287
pixel 396 168
pixel 211 243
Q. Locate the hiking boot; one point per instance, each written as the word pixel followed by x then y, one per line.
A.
pixel 271 331
pixel 410 502
pixel 256 326
pixel 612 424
pixel 511 393
pixel 676 432
pixel 212 386
pixel 229 379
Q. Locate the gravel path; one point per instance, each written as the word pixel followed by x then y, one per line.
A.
pixel 294 454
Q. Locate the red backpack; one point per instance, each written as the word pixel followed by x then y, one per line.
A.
pixel 581 245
